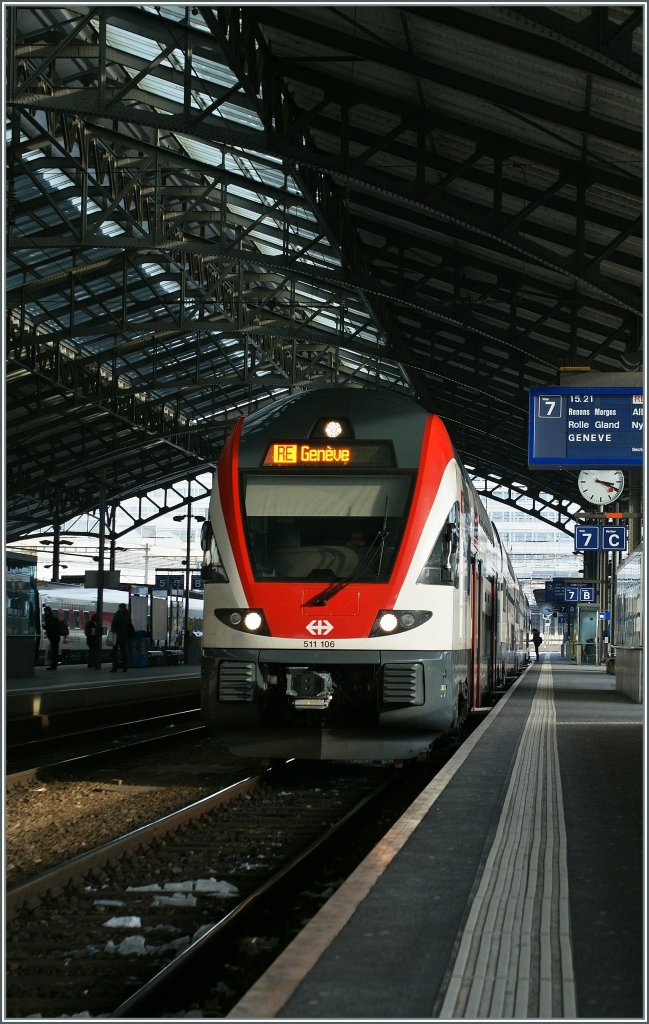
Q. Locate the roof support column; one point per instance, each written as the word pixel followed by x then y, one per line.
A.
pixel 96 654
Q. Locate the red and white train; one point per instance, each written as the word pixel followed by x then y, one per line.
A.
pixel 358 601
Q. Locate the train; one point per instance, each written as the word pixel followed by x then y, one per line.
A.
pixel 75 604
pixel 358 601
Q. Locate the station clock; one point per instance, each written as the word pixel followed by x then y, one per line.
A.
pixel 601 486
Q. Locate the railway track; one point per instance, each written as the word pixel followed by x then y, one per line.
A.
pixel 27 760
pixel 39 724
pixel 119 930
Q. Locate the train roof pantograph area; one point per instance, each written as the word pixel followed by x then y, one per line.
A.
pixel 209 206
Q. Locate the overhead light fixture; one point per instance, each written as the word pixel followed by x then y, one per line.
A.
pixel 631 360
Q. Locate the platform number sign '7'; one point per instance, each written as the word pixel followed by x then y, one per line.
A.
pixel 549 407
pixel 587 538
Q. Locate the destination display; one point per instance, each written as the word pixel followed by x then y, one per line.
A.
pixel 589 427
pixel 555 590
pixel 325 454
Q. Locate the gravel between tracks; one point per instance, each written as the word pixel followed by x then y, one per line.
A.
pixel 49 821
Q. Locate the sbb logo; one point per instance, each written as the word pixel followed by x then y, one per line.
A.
pixel 319 627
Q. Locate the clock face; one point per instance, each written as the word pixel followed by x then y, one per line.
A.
pixel 601 486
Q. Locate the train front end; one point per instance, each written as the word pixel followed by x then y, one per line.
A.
pixel 329 629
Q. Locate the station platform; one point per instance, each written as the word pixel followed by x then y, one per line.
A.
pixel 32 703
pixel 78 676
pixel 512 888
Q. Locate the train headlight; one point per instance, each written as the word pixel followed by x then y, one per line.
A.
pixel 246 620
pixel 389 622
pixel 333 428
pixel 252 621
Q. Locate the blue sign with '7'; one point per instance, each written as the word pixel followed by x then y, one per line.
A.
pixel 586 538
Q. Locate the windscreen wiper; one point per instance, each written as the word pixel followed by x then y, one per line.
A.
pixel 379 537
pixel 335 588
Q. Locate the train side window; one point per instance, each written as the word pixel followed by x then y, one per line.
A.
pixel 212 570
pixel 442 564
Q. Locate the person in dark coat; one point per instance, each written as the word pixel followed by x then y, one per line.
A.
pixel 90 632
pixel 537 640
pixel 123 629
pixel 53 633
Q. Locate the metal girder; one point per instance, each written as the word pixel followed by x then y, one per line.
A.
pixel 446 215
pixel 390 57
pixel 603 40
pixel 527 254
pixel 207 206
pixel 150 506
pixel 157 244
pixel 533 31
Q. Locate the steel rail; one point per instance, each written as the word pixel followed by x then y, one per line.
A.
pixel 32 750
pixel 54 880
pixel 149 1000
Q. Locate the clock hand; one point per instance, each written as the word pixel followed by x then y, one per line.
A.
pixel 607 483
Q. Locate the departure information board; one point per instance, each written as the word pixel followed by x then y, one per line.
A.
pixel 588 427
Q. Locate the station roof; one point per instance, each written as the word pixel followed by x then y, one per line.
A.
pixel 208 206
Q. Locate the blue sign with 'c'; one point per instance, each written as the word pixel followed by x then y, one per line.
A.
pixel 614 538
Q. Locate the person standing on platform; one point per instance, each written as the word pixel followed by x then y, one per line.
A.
pixel 53 633
pixel 537 640
pixel 123 629
pixel 91 636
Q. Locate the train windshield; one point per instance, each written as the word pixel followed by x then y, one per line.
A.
pixel 322 528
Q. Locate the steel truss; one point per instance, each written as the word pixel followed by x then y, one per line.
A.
pixel 349 230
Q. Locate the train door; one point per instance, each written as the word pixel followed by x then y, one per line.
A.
pixel 488 637
pixel 478 634
pixel 494 628
pixel 483 634
pixel 476 569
